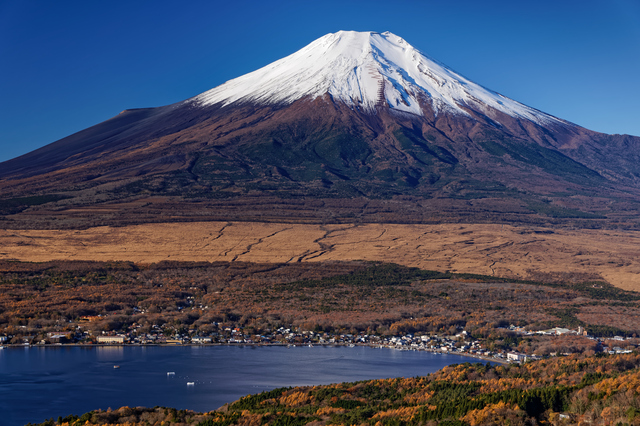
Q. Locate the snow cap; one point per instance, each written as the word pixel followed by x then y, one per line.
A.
pixel 365 70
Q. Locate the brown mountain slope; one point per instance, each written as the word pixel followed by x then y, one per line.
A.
pixel 313 154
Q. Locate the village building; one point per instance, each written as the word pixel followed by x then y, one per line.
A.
pixel 201 340
pixel 60 336
pixel 111 339
pixel 516 357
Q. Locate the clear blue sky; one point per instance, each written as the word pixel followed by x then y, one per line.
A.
pixel 66 65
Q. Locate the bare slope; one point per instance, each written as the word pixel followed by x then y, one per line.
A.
pixel 483 249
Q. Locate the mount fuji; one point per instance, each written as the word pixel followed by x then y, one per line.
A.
pixel 356 126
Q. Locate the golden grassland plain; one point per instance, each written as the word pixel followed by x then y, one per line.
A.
pixel 498 250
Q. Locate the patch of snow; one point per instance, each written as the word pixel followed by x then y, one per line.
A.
pixel 364 70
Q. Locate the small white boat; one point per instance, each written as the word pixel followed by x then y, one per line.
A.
pixel 171 373
pixel 191 383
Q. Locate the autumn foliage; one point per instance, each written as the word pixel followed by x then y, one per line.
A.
pixel 334 297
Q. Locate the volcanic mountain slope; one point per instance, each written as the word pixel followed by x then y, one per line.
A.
pixel 354 126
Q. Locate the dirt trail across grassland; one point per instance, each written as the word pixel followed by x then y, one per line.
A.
pixel 499 250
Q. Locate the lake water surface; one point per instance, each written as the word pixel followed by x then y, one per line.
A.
pixel 40 383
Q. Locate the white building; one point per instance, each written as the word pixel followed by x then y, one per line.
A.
pixel 516 357
pixel 198 339
pixel 111 339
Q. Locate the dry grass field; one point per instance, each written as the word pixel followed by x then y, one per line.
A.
pixel 499 250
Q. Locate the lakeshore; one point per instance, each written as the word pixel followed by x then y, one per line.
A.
pixel 492 359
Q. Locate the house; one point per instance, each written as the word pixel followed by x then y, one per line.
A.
pixel 516 357
pixel 557 331
pixel 60 336
pixel 111 339
pixel 201 340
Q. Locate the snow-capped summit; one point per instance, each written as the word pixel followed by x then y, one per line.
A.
pixel 365 70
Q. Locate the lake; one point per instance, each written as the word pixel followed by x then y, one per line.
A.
pixel 39 383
